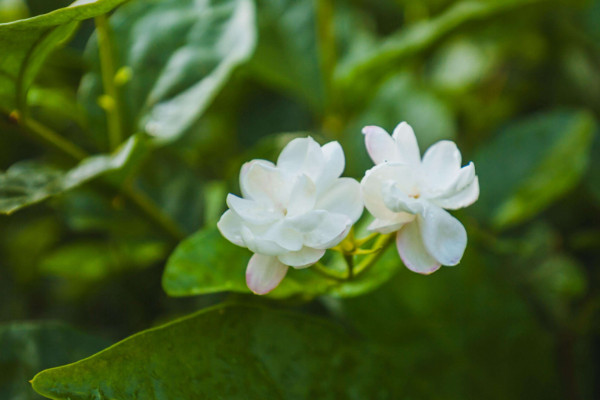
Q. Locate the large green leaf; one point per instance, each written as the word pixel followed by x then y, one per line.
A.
pixel 228 352
pixel 28 347
pixel 24 45
pixel 208 263
pixel 180 54
pixel 27 183
pixel 531 163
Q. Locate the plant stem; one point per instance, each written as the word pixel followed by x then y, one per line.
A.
pixel 140 200
pixel 53 139
pixel 382 243
pixel 149 208
pixel 109 70
pixel 326 47
pixel 350 262
pixel 327 272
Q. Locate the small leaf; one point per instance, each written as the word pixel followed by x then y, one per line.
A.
pixel 28 347
pixel 530 164
pixel 27 183
pixel 228 352
pixel 24 45
pixel 208 263
pixel 179 54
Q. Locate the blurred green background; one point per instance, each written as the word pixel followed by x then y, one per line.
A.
pixel 515 83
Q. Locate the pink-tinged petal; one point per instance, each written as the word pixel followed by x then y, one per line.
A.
pixel 372 187
pixel 413 252
pixel 398 201
pixel 230 226
pixel 445 238
pixel 441 166
pixel 257 244
pixel 343 197
pixel 390 226
pixel 303 196
pixel 264 273
pixel 333 167
pixel 302 258
pixel 251 211
pixel 306 222
pixel 380 145
pixel 461 199
pixel 406 144
pixel 332 230
pixel 302 156
pixel 263 183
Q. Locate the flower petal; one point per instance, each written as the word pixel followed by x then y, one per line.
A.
pixel 250 210
pixel 389 226
pixel 372 187
pixel 413 252
pixel 406 144
pixel 380 145
pixel 445 238
pixel 441 165
pixel 396 199
pixel 302 156
pixel 230 226
pixel 258 244
pixel 306 222
pixel 302 197
pixel 333 167
pixel 343 197
pixel 284 235
pixel 332 230
pixel 302 258
pixel 463 198
pixel 262 182
pixel 264 273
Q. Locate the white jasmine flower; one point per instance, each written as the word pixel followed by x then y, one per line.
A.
pixel 408 194
pixel 290 213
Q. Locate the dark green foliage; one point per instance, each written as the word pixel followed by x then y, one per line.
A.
pixel 114 230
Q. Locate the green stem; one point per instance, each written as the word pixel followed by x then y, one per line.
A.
pixel 53 139
pixel 382 244
pixel 327 272
pixel 349 258
pixel 360 242
pixel 148 207
pixel 109 70
pixel 327 47
pixel 137 198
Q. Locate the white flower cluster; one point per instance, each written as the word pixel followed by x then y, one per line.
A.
pixel 292 211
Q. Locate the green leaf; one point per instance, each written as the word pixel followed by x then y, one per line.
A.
pixel 530 164
pixel 228 352
pixel 93 260
pixel 208 263
pixel 180 54
pixel 367 69
pixel 593 176
pixel 24 45
pixel 28 347
pixel 287 54
pixel 27 183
